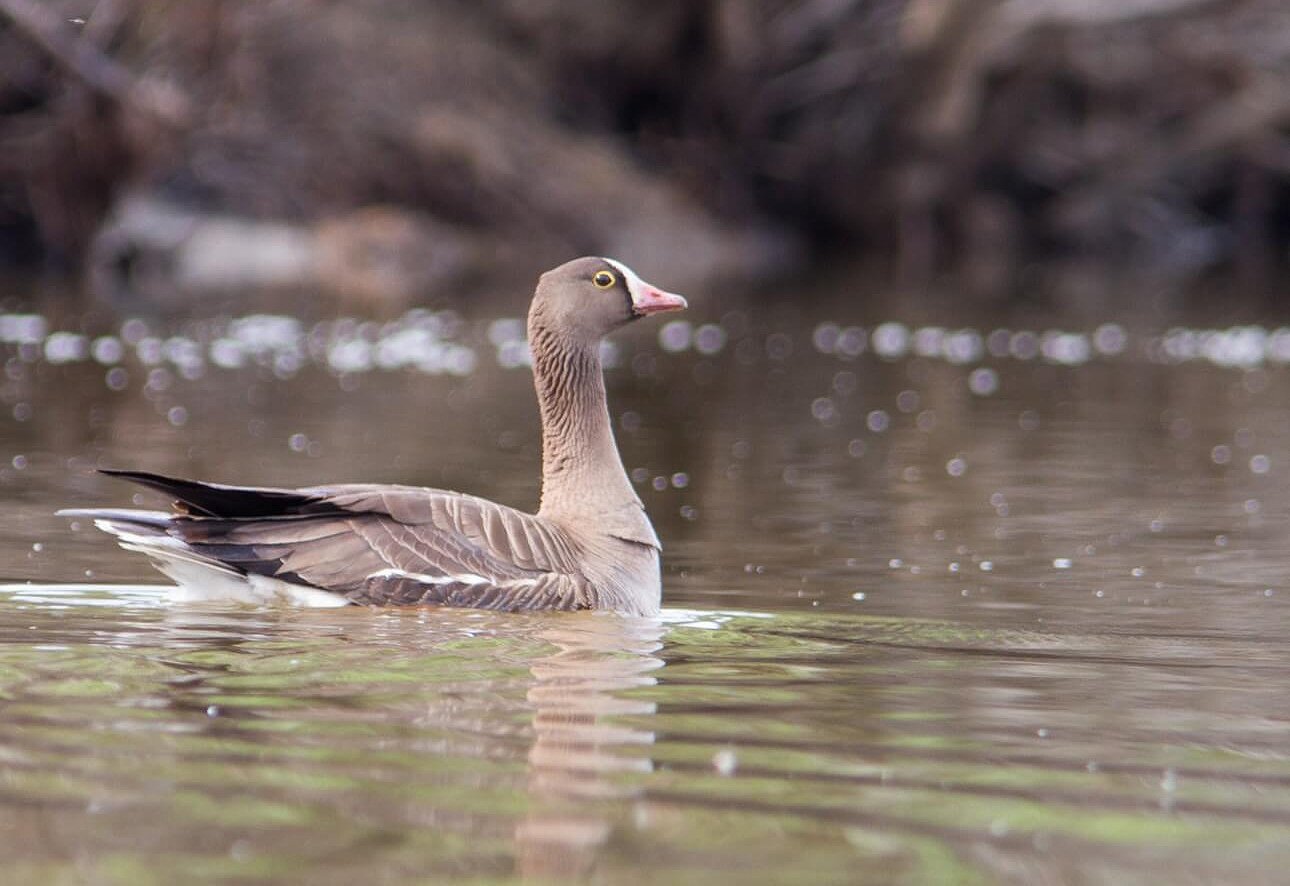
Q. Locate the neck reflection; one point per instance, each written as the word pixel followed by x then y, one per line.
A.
pixel 581 748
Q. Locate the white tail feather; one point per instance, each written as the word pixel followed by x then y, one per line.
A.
pixel 201 578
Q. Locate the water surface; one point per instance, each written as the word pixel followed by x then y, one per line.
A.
pixel 946 603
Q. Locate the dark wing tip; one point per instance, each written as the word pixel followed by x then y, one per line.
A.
pixel 144 477
pixel 217 500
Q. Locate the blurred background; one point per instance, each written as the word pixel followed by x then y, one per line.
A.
pixel 388 152
pixel 971 456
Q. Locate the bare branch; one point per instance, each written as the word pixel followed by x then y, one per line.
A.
pixel 83 61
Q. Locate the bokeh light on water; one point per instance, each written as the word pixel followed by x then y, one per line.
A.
pixel 942 597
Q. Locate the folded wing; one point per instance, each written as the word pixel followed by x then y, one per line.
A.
pixel 379 544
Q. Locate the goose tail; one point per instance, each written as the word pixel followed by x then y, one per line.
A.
pixel 197 577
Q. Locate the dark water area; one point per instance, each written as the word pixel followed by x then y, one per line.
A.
pixel 946 601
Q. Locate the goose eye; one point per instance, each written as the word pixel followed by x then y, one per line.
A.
pixel 604 279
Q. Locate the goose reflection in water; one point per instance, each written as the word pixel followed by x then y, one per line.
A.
pixel 403 730
pixel 580 745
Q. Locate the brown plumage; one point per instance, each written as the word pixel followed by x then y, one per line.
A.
pixel 589 546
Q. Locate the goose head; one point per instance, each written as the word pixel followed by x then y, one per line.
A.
pixel 587 298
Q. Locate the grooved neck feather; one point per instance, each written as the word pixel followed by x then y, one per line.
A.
pixel 583 479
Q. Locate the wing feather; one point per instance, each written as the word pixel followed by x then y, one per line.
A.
pixel 374 543
pixel 402 544
pixel 550 591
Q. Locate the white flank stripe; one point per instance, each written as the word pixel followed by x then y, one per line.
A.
pixel 465 578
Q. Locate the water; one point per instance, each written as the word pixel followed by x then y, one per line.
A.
pixel 946 604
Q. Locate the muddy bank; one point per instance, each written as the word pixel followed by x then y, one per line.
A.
pixel 395 151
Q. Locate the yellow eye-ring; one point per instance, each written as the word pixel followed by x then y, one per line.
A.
pixel 604 279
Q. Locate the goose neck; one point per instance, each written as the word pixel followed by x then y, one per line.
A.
pixel 582 472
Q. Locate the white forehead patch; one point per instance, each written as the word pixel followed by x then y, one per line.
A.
pixel 635 285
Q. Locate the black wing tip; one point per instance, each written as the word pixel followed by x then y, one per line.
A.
pixel 126 474
pixel 187 493
pixel 205 499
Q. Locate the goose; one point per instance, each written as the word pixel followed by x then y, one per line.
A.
pixel 589 546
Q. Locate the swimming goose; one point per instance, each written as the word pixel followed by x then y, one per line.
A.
pixel 589 546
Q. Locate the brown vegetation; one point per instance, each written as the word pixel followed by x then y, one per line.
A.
pixel 439 141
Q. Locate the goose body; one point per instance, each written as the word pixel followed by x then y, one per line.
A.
pixel 589 546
